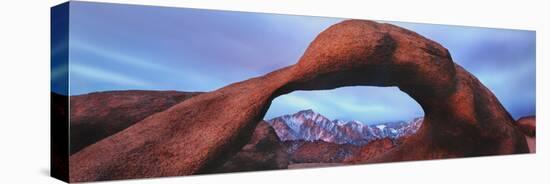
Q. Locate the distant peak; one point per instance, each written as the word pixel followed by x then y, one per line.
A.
pixel 308 111
pixel 356 122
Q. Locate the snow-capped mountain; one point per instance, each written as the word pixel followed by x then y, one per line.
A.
pixel 311 126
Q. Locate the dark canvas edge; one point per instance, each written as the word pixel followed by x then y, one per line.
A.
pixel 59 106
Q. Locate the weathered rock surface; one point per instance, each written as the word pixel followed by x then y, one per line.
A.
pixel 319 151
pixel 529 127
pixel 98 115
pixel 264 152
pixel 462 117
pixel 326 152
pixel 372 150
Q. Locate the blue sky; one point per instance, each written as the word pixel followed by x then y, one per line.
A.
pixel 120 47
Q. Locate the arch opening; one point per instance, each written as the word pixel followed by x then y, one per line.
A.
pixel 353 115
pixel 367 104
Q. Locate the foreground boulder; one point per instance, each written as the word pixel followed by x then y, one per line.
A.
pixel 528 126
pixel 264 152
pixel 98 115
pixel 462 117
pixel 319 151
pixel 307 154
pixel 372 150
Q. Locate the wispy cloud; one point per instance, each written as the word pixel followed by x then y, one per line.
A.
pixel 118 56
pixel 106 76
pixel 122 64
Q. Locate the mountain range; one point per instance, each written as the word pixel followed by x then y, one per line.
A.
pixel 308 125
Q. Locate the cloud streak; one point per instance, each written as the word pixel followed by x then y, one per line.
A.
pixel 106 76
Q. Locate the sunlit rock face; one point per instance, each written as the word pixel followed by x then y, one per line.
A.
pixel 528 125
pixel 98 115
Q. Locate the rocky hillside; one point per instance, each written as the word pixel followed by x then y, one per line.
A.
pixel 264 151
pixel 98 115
pixel 95 116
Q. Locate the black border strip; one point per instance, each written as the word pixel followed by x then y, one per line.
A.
pixel 59 106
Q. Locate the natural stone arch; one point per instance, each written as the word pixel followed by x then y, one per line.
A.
pixel 462 117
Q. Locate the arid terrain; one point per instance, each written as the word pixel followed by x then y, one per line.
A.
pixel 271 146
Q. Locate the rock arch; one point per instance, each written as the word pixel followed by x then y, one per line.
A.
pixel 462 117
